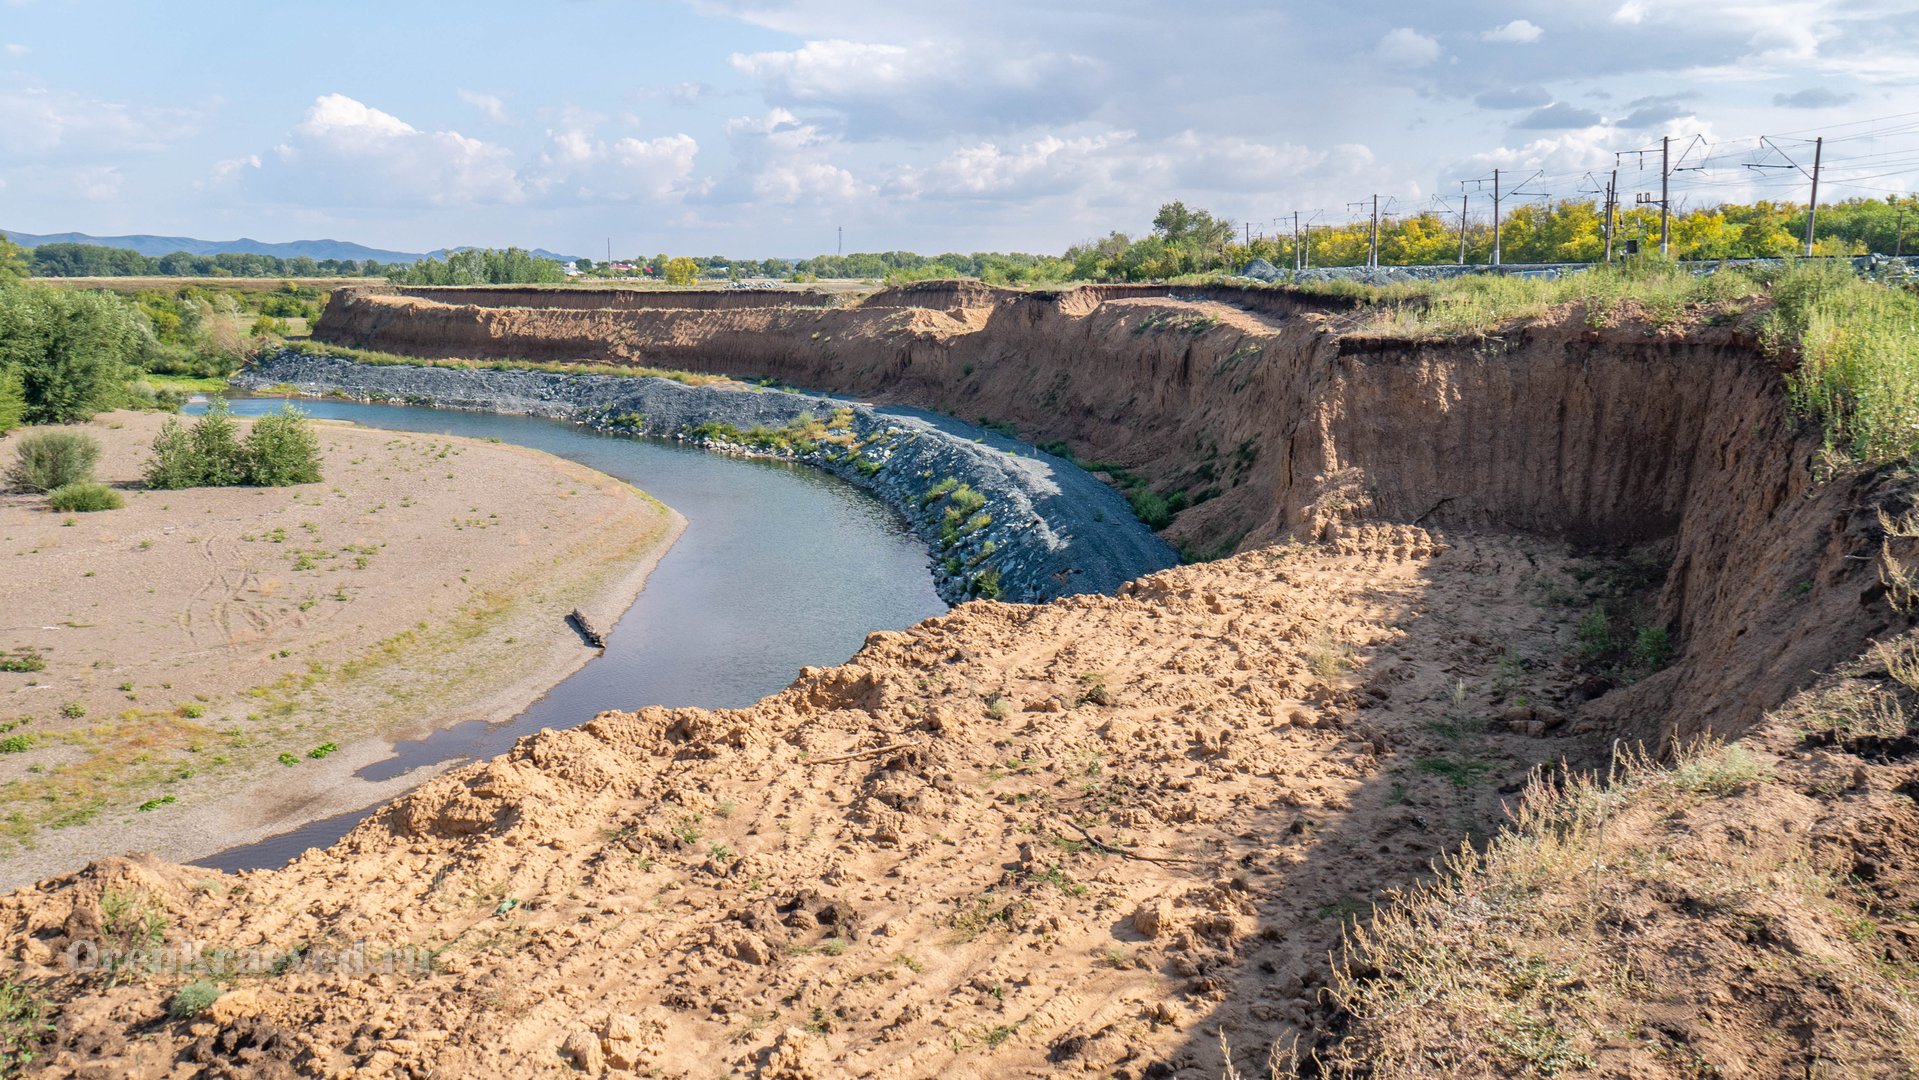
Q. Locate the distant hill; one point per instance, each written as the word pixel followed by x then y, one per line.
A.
pixel 147 244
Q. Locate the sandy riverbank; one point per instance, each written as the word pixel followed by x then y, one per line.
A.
pixel 196 641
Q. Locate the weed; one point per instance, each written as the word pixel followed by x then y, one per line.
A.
pixel 23 660
pixel 1461 772
pixel 16 744
pixel 1719 770
pixel 288 760
pixel 131 923
pixel 193 712
pixel 1327 657
pixel 322 750
pixel 1093 690
pixel 155 804
pixel 193 999
pixel 23 1025
pixel 73 710
pixel 997 708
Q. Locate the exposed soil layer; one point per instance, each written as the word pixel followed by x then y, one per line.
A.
pixel 1085 834
pixel 1261 412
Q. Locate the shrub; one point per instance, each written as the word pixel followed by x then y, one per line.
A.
pixel 84 498
pixel 216 447
pixel 193 999
pixel 174 464
pixel 282 450
pixel 49 459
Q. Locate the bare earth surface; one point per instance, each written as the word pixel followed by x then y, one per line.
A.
pixel 193 637
pixel 1088 835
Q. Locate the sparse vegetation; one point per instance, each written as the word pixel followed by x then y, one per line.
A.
pixel 84 498
pixel 193 999
pixel 24 1025
pixel 44 461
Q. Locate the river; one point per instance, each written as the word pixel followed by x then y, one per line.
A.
pixel 779 567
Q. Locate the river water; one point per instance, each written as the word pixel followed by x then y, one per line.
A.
pixel 779 567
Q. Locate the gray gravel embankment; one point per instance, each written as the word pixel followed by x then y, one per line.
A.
pixel 1034 527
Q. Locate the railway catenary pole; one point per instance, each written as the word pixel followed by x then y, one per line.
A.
pixel 1612 206
pixel 1812 206
pixel 1462 228
pixel 1495 217
pixel 1665 194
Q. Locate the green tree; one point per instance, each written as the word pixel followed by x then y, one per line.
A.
pixel 14 261
pixel 73 351
pixel 681 271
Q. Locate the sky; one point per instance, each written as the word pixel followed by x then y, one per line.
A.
pixel 763 127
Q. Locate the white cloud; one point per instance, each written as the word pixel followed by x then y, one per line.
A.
pixel 1630 13
pixel 101 183
pixel 807 181
pixel 355 152
pixel 44 124
pixel 928 88
pixel 489 105
pixel 1048 166
pixel 1517 32
pixel 1408 48
pixel 17 50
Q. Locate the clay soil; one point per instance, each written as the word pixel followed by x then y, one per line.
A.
pixel 193 637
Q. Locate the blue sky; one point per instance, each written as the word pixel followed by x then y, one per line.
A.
pixel 755 127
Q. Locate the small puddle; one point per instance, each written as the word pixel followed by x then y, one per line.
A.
pixel 780 567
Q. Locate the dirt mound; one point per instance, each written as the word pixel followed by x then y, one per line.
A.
pixel 1090 835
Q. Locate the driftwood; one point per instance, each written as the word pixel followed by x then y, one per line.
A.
pixel 578 621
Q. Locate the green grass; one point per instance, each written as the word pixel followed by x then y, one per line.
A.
pixel 1857 347
pixel 1851 345
pixel 189 384
pixel 85 497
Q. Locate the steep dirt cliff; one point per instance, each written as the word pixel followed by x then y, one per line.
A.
pixel 1265 414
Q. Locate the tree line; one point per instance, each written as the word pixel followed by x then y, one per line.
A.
pixel 94 260
pixel 67 353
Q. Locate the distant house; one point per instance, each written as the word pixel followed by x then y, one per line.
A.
pixel 572 269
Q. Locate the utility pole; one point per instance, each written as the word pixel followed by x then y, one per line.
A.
pixel 1612 206
pixel 1899 233
pixel 1665 193
pixel 1372 246
pixel 1462 228
pixel 1249 234
pixel 1812 207
pixel 1297 250
pixel 839 246
pixel 1495 217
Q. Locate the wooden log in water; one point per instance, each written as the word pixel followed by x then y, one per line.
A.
pixel 586 628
